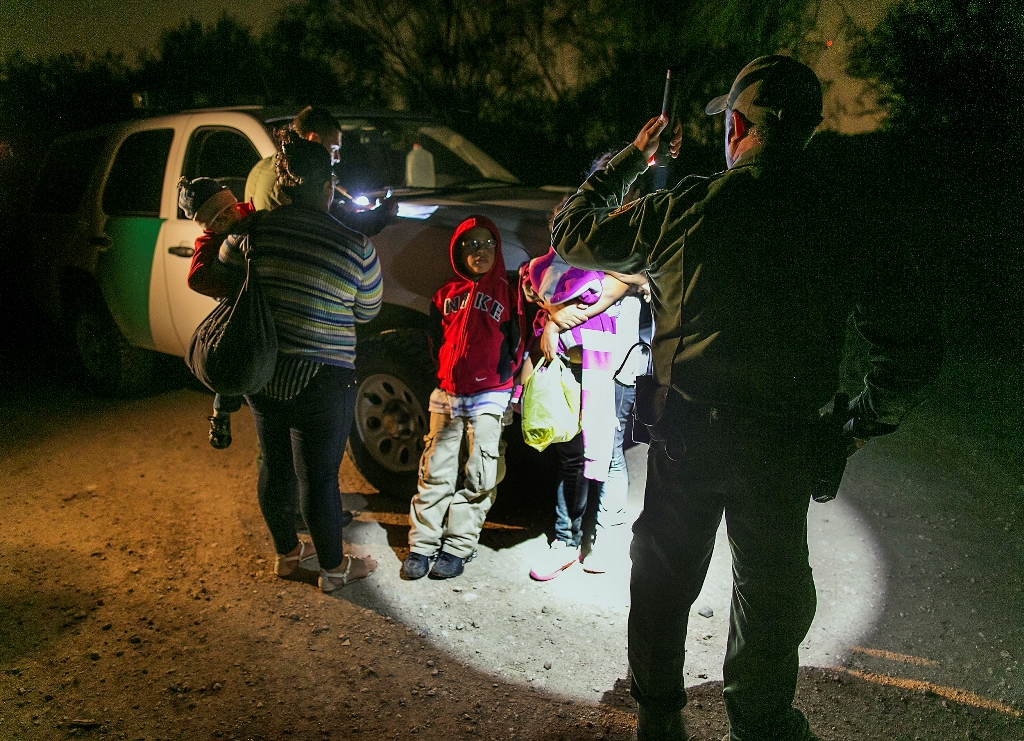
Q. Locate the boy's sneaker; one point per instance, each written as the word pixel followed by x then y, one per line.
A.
pixel 220 431
pixel 559 557
pixel 416 566
pixel 448 566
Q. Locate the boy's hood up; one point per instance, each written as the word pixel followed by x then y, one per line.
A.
pixel 465 226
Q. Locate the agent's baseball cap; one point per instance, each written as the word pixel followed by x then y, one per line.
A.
pixel 773 83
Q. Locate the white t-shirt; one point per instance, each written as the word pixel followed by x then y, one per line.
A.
pixel 469 405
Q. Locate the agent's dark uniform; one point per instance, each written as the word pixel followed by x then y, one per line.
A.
pixel 752 284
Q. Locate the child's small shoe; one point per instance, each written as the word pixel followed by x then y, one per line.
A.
pixel 416 566
pixel 448 566
pixel 559 557
pixel 220 431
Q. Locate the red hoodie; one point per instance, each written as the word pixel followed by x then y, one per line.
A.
pixel 481 348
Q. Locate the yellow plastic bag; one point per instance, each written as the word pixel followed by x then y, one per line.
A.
pixel 551 405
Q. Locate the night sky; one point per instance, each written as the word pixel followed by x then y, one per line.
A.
pixel 45 27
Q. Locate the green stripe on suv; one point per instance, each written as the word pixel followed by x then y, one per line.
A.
pixel 124 272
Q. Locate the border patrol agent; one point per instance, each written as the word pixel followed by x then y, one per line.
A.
pixel 752 284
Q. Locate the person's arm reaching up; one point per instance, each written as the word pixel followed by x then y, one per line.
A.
pixel 594 231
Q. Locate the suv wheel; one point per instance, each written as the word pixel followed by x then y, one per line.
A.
pixel 105 363
pixel 396 376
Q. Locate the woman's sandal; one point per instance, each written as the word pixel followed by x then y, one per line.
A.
pixel 286 565
pixel 326 585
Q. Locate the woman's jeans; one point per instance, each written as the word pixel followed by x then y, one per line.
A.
pixel 305 437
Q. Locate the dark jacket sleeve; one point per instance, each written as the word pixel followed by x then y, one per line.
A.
pixel 435 332
pixel 511 356
pixel 368 223
pixel 901 323
pixel 595 232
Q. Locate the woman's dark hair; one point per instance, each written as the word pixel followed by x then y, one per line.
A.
pixel 302 167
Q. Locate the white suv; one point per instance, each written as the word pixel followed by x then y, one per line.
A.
pixel 113 250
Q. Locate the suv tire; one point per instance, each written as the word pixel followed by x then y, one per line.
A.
pixel 104 362
pixel 395 372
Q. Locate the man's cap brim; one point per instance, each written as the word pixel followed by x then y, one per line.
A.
pixel 718 105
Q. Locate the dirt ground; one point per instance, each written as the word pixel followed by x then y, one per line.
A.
pixel 138 601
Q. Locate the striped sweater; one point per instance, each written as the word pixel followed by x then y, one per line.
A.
pixel 320 279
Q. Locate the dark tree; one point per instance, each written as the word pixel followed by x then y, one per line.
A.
pixel 951 76
pixel 225 64
pixel 44 98
pixel 948 67
pixel 544 84
pixel 196 66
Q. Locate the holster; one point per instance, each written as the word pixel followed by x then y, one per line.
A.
pixel 831 448
pixel 649 412
pixel 649 403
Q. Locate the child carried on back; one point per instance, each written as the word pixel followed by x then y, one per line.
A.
pixel 213 206
pixel 478 341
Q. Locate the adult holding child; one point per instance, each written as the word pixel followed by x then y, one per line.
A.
pixel 578 321
pixel 321 279
pixel 264 192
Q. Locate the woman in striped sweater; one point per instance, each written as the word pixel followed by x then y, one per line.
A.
pixel 320 279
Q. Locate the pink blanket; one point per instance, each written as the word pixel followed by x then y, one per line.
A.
pixel 554 281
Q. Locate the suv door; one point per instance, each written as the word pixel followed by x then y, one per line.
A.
pixel 131 203
pixel 223 147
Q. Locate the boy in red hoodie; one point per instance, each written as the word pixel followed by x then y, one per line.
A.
pixel 479 353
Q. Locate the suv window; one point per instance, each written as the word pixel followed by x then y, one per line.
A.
pixel 226 155
pixel 65 175
pixel 373 153
pixel 136 179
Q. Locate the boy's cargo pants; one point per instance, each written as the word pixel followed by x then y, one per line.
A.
pixel 441 512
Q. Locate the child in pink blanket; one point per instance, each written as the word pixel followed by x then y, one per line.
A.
pixel 576 321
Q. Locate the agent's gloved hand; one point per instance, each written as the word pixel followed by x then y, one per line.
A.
pixel 862 424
